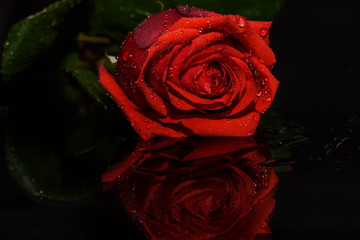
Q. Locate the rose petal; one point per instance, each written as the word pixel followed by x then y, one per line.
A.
pixel 187 11
pixel 216 146
pixel 153 99
pixel 238 126
pixel 265 94
pixel 196 100
pixel 158 70
pixel 204 40
pixel 144 126
pixel 154 26
pixel 246 94
pixel 168 41
pixel 216 23
pixel 180 104
pixel 261 28
pixel 130 60
pixel 252 41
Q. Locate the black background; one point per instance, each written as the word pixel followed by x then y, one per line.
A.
pixel 316 45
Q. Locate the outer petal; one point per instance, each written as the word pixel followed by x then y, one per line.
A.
pixel 252 41
pixel 143 125
pixel 193 12
pixel 130 60
pixel 238 126
pixel 261 28
pixel 266 86
pixel 154 26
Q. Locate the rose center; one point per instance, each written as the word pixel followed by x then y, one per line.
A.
pixel 211 79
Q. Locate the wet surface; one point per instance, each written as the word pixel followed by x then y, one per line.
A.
pixel 317 197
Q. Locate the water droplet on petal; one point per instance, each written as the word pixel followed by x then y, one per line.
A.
pixel 263 32
pixel 241 21
pixel 268 99
pixel 126 56
pixel 258 93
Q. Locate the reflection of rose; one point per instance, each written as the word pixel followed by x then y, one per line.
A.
pixel 215 190
pixel 188 71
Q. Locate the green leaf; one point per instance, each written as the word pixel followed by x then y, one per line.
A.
pixel 87 77
pixel 57 148
pixel 32 36
pixel 114 18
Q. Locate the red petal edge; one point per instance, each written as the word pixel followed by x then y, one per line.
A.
pixel 143 125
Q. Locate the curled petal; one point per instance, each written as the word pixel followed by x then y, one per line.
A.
pixel 266 86
pixel 143 125
pixel 261 28
pixel 251 40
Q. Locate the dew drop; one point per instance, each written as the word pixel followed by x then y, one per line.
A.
pixel 263 32
pixel 268 99
pixel 241 21
pixel 126 56
pixel 258 93
pixel 122 107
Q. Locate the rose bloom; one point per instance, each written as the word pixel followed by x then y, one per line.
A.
pixel 188 71
pixel 213 189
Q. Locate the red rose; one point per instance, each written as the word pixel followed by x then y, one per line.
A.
pixel 187 71
pixel 184 189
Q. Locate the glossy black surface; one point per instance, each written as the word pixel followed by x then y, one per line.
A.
pixel 317 51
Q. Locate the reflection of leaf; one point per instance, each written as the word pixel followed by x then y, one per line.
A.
pixel 283 136
pixel 32 36
pixel 45 173
pixel 279 132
